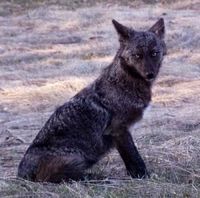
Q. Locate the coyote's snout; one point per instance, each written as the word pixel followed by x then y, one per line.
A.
pixel 98 118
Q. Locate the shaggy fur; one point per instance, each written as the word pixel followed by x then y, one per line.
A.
pixel 97 119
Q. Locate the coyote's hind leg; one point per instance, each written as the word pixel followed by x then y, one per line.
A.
pixel 61 168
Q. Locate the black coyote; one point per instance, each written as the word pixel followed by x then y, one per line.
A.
pixel 98 118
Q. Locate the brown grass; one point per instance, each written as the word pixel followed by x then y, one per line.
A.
pixel 48 52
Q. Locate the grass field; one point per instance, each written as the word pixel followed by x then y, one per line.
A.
pixel 49 50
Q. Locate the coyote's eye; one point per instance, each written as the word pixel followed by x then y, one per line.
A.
pixel 154 54
pixel 137 56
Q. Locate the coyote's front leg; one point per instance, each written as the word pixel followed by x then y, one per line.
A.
pixel 130 155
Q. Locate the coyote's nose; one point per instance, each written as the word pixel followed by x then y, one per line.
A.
pixel 150 76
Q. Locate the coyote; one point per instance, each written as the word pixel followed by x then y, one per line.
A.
pixel 84 129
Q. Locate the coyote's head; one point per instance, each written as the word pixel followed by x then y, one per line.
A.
pixel 141 53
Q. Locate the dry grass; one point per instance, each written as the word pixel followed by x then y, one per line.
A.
pixel 48 53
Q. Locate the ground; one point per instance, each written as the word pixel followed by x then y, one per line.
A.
pixel 50 50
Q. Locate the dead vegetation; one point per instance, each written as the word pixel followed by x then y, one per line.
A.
pixel 48 52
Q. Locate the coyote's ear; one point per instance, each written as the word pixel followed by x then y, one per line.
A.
pixel 123 31
pixel 159 28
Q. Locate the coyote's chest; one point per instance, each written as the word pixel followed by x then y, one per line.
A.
pixel 130 104
pixel 124 121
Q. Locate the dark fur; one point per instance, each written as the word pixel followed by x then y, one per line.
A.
pixel 97 119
